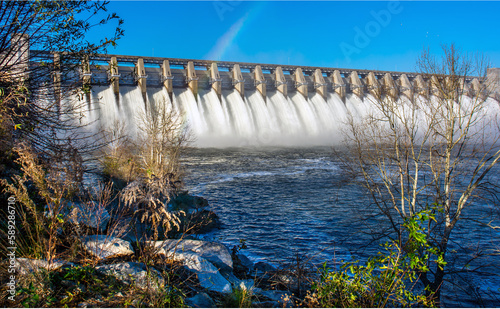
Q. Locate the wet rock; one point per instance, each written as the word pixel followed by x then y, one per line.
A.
pixel 200 300
pixel 246 262
pixel 208 275
pixel 134 273
pixel 103 246
pixel 214 252
pixel 26 266
pixel 186 202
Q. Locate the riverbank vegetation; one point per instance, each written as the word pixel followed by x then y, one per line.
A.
pixel 434 150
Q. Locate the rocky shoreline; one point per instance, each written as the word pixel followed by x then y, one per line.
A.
pixel 120 249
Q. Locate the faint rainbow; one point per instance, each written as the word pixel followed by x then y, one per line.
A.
pixel 228 38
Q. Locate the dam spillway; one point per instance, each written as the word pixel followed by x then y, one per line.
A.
pixel 240 104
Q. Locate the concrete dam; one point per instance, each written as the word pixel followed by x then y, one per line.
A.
pixel 229 104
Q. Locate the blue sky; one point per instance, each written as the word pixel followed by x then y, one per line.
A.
pixel 360 35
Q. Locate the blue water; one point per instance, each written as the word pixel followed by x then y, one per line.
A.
pixel 286 201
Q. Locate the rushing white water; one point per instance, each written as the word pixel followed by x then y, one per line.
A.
pixel 234 120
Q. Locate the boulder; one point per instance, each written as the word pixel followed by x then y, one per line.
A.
pixel 134 273
pixel 245 261
pixel 247 284
pixel 103 246
pixel 200 300
pixel 26 266
pixel 214 252
pixel 186 202
pixel 208 275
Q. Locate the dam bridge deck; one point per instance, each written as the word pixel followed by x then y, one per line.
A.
pixel 116 70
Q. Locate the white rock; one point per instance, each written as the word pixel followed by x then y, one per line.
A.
pixel 26 266
pixel 214 252
pixel 208 274
pixel 103 246
pixel 134 273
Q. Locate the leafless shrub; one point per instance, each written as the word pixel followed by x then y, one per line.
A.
pixel 149 198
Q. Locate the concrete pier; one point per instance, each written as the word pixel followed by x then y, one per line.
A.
pixel 260 81
pixel 477 89
pixel 167 78
pixel 86 79
pixel 192 79
pixel 57 80
pixel 420 86
pixel 373 85
pixel 434 87
pixel 141 77
pixel 319 83
pixel 405 86
pixel 389 86
pixel 493 82
pixel 464 87
pixel 356 84
pixel 281 84
pixel 215 80
pixel 238 81
pixel 114 76
pixel 338 84
pixel 19 61
pixel 300 82
pixel 86 74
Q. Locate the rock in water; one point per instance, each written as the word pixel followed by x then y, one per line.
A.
pixel 103 246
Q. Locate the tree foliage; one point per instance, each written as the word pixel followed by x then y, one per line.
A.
pixel 42 44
